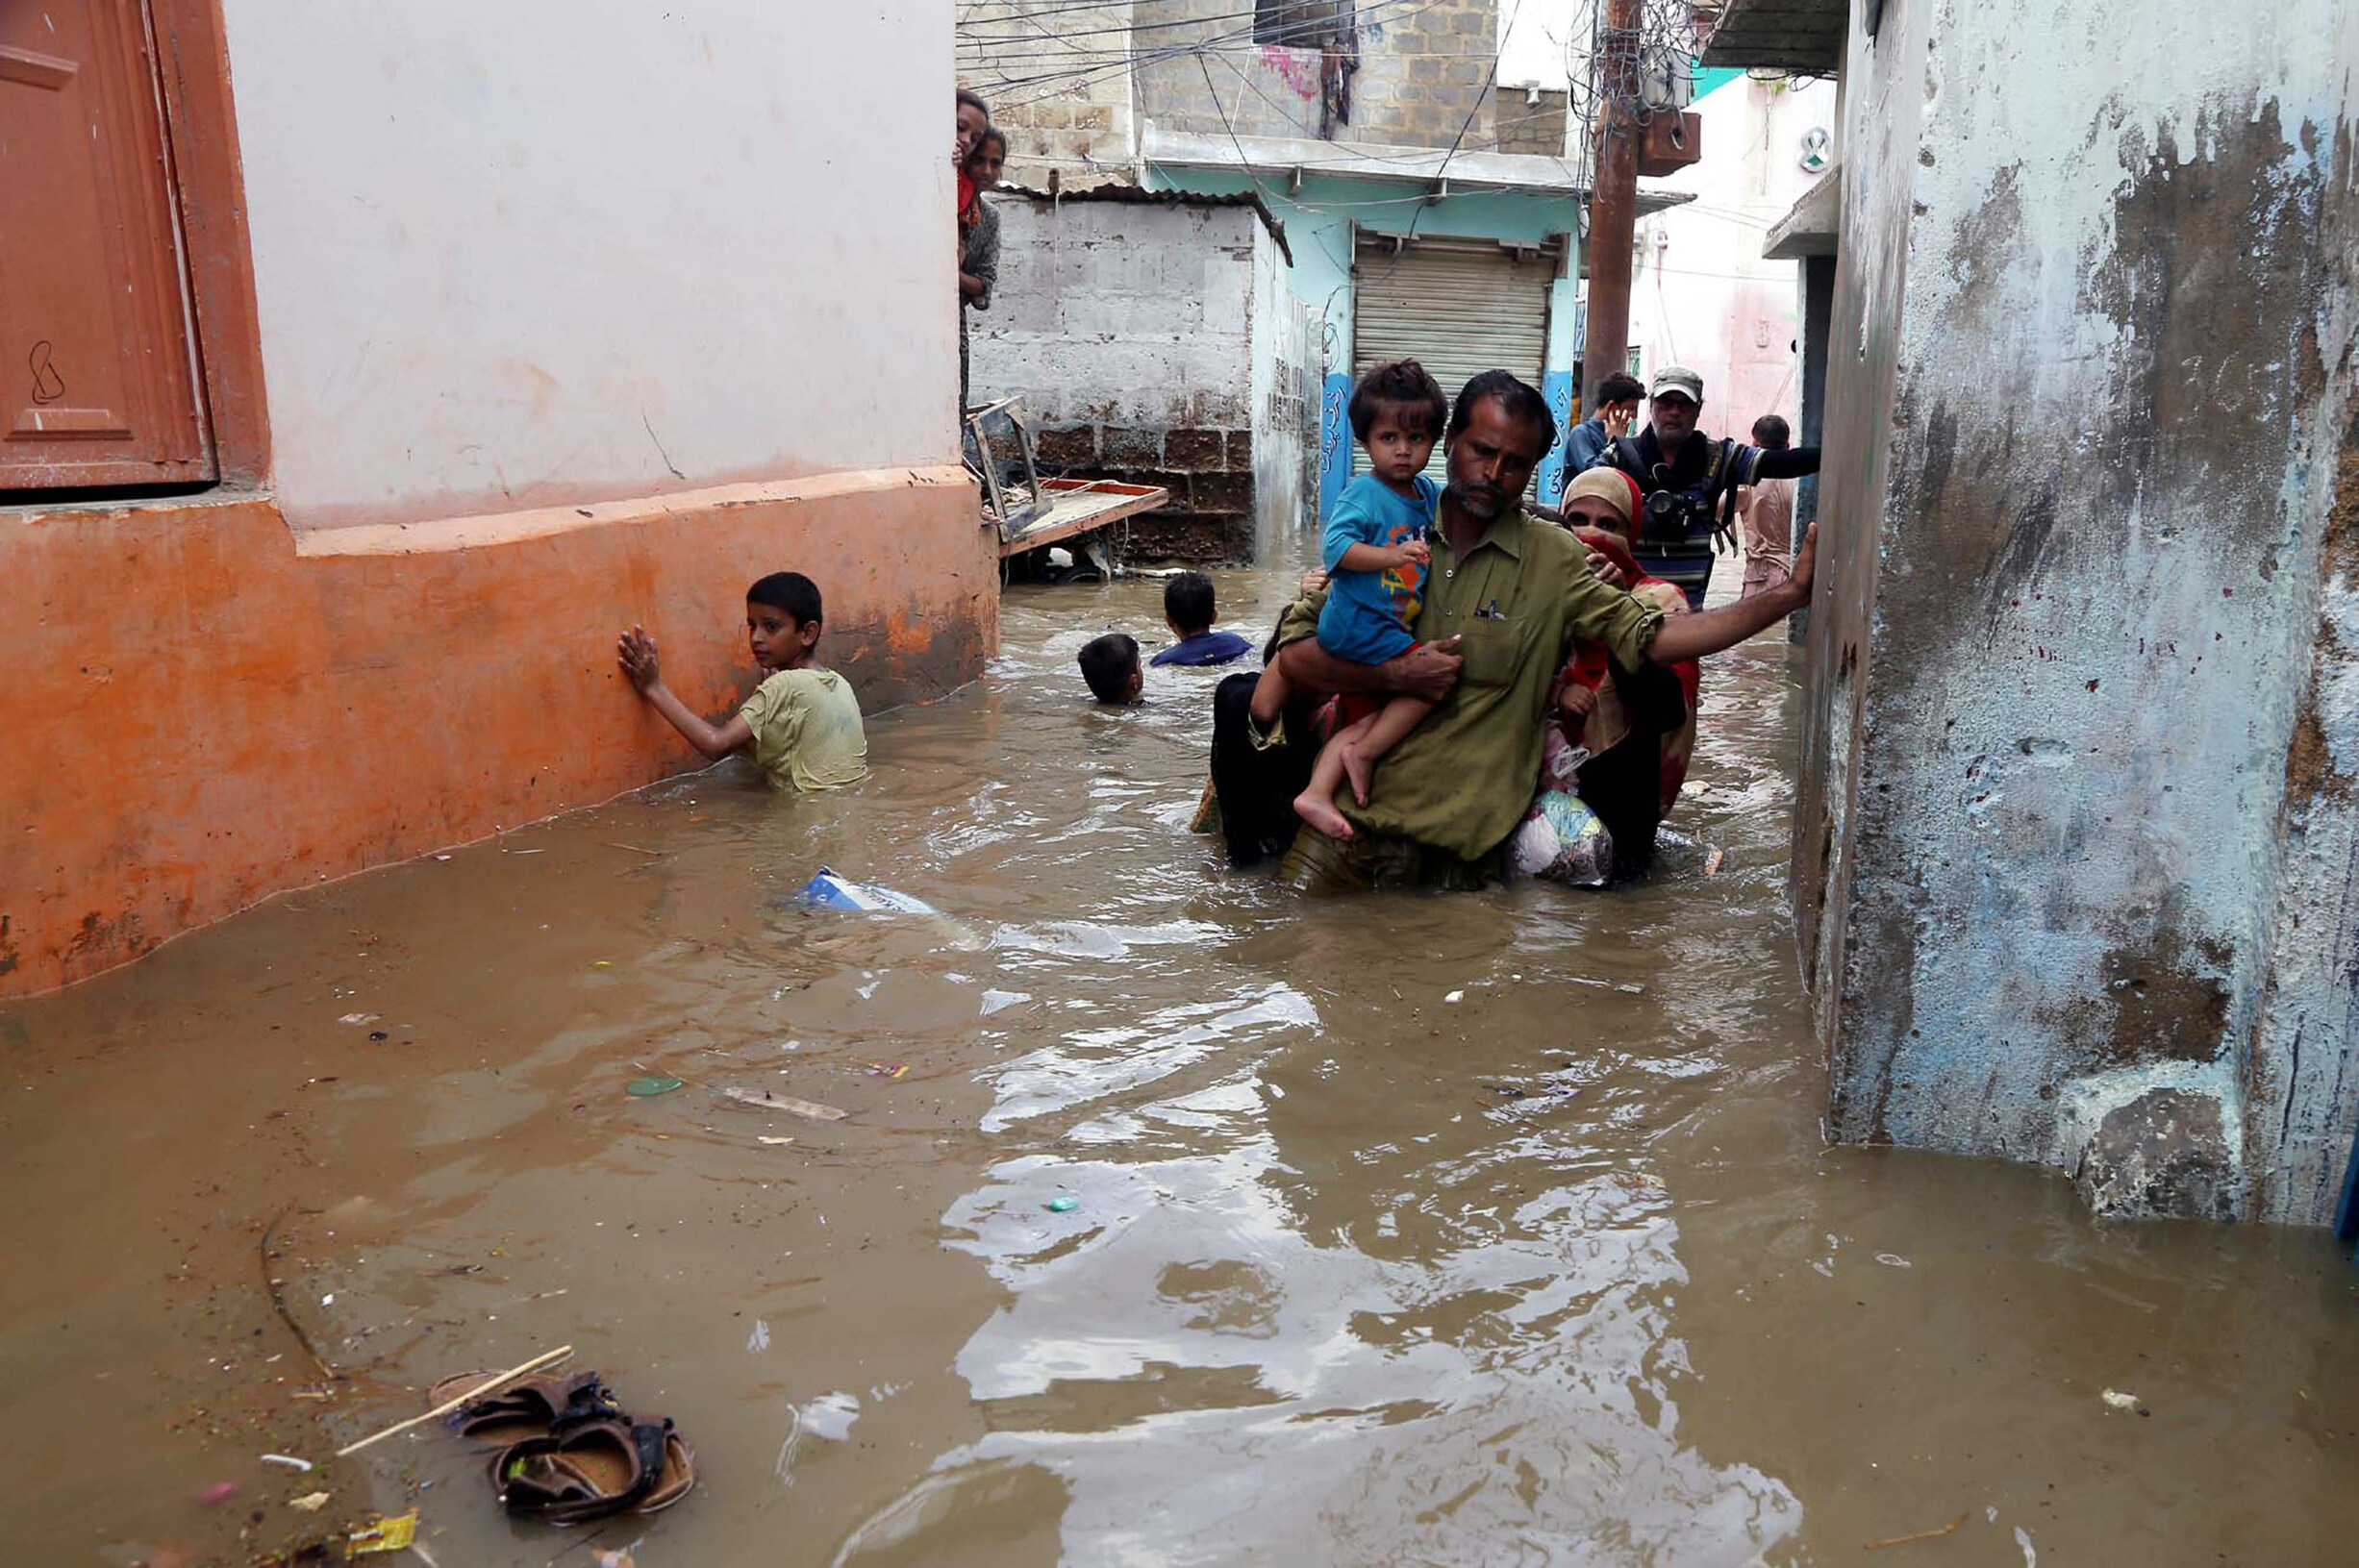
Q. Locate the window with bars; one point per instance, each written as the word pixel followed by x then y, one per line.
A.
pixel 1301 24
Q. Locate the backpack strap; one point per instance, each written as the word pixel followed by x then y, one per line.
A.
pixel 1723 471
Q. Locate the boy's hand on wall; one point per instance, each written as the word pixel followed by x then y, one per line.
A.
pixel 635 652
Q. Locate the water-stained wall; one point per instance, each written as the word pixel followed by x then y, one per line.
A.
pixel 2076 868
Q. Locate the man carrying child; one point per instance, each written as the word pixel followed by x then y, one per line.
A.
pixel 1504 599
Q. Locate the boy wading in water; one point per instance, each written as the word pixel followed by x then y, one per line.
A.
pixel 1376 556
pixel 802 722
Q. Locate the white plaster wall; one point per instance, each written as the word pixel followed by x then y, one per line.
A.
pixel 1543 41
pixel 554 250
pixel 1120 312
pixel 1703 295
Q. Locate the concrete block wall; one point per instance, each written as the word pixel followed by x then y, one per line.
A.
pixel 1077 125
pixel 2076 871
pixel 1128 328
pixel 1423 71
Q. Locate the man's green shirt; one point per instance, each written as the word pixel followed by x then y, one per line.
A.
pixel 1461 780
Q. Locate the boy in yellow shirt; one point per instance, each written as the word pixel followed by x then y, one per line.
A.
pixel 802 722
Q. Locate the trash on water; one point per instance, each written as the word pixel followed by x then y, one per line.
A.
pixel 765 1137
pixel 358 1018
pixel 829 892
pixel 1915 1535
pixel 1713 858
pixel 286 1460
pixel 388 1532
pixel 888 1069
pixel 657 1084
pixel 1064 1206
pixel 220 1492
pixel 309 1501
pixel 763 1100
pixel 2119 1401
pixel 1455 996
pixel 1893 1261
pixel 615 1559
pixel 379 1035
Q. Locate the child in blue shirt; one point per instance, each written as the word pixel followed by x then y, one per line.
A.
pixel 1377 558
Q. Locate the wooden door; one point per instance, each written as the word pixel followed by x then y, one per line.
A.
pixel 98 374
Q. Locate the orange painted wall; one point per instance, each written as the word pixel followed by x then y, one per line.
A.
pixel 205 709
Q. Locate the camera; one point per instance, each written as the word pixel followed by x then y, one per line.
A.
pixel 1675 515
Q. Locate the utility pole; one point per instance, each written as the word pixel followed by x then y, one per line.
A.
pixel 1613 197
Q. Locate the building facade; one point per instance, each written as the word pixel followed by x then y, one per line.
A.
pixel 366 417
pixel 2076 873
pixel 1421 159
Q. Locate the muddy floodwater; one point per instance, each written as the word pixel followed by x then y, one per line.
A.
pixel 1474 1229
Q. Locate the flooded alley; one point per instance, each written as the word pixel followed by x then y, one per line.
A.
pixel 1470 1229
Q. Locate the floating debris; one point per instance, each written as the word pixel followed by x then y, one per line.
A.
pixel 763 1100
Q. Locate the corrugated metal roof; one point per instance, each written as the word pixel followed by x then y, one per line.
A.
pixel 1139 196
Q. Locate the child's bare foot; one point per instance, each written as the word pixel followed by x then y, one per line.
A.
pixel 1321 813
pixel 1359 769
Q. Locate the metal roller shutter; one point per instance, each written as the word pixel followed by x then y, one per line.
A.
pixel 1457 307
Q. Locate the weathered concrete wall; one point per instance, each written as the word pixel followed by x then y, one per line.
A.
pixel 2074 869
pixel 210 708
pixel 1128 329
pixel 1287 365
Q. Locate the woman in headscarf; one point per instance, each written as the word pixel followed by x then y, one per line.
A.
pixel 979 242
pixel 1636 727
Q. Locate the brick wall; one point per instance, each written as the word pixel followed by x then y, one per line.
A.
pixel 1077 124
pixel 1420 77
pixel 1423 79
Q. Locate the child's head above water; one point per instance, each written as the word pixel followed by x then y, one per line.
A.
pixel 782 620
pixel 1398 412
pixel 1110 665
pixel 1187 605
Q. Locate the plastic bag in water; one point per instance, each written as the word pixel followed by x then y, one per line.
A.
pixel 1561 839
pixel 829 892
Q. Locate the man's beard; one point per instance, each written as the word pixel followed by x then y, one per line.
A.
pixel 1482 504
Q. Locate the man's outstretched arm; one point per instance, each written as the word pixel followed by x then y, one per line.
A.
pixel 1708 632
pixel 1786 462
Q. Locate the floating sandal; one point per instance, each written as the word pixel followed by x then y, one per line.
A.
pixel 594 1468
pixel 677 1477
pixel 532 1407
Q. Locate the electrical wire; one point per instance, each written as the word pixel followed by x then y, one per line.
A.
pixel 1113 62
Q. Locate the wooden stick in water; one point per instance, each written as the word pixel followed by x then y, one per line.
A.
pixel 447 1406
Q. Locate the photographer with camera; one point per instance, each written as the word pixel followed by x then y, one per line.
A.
pixel 1690 482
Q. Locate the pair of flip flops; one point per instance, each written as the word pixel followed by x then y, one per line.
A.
pixel 567 1452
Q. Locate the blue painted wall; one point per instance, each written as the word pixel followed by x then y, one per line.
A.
pixel 1318 221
